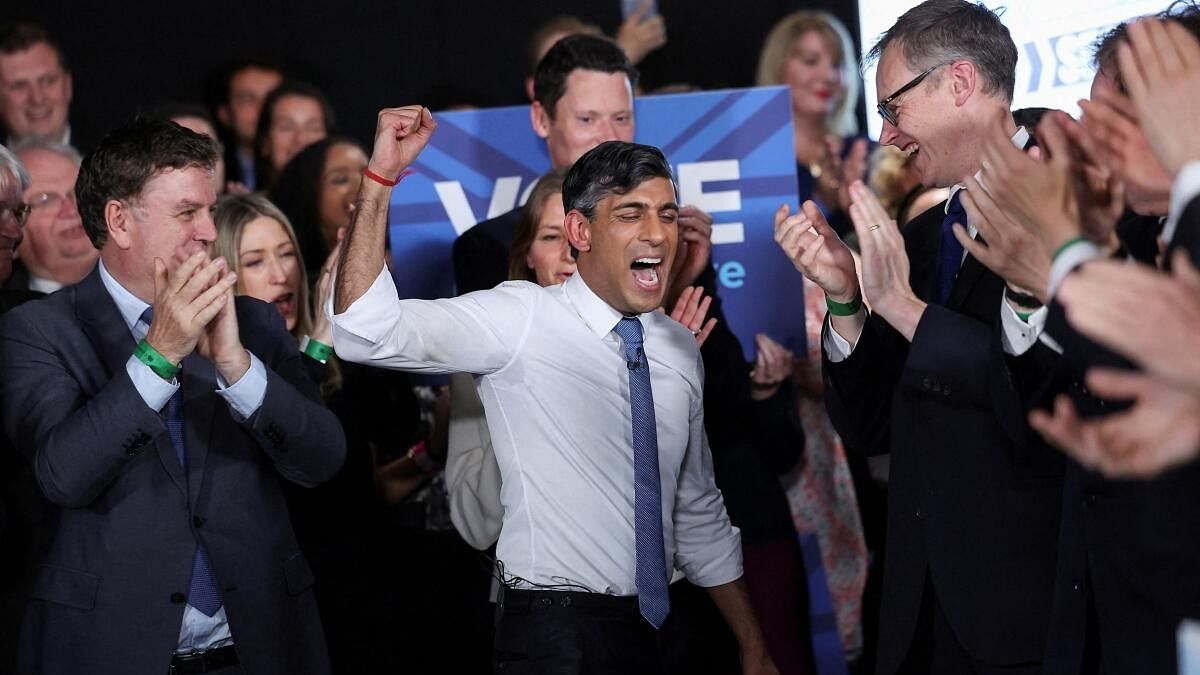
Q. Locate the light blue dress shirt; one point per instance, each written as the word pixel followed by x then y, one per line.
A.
pixel 244 398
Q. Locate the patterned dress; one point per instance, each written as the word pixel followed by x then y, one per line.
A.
pixel 821 494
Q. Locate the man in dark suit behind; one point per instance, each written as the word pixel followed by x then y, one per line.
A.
pixel 583 96
pixel 159 415
pixel 933 371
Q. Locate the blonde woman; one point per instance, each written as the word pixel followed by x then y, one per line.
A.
pixel 811 52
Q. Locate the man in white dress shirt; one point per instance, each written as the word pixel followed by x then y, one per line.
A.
pixel 607 478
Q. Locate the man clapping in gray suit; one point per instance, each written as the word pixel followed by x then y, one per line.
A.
pixel 159 415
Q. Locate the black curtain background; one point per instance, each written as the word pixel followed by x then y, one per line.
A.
pixel 132 55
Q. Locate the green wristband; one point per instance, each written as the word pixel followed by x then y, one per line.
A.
pixel 319 351
pixel 844 308
pixel 1069 243
pixel 147 354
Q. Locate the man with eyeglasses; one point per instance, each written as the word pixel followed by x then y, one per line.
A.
pixel 22 533
pixel 938 369
pixel 56 251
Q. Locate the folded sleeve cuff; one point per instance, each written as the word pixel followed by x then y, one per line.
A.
pixel 154 390
pixel 246 395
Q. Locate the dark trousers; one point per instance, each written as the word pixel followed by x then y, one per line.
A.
pixel 567 633
pixel 935 650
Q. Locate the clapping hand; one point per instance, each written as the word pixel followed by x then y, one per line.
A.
pixel 885 267
pixel 186 301
pixel 1111 122
pixel 1160 431
pixel 773 365
pixel 816 250
pixel 1161 70
pixel 690 310
pixel 693 251
pixel 1114 302
pixel 322 329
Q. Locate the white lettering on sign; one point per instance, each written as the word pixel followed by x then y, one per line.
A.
pixel 693 175
pixel 508 195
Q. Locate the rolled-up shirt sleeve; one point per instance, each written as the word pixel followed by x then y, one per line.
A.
pixel 476 333
pixel 708 548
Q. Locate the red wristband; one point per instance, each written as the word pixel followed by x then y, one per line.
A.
pixel 383 181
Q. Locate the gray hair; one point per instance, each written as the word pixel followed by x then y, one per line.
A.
pixel 937 32
pixel 48 145
pixel 12 170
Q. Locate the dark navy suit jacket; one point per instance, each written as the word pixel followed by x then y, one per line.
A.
pixel 109 595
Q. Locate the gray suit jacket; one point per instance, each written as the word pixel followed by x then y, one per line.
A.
pixel 109 595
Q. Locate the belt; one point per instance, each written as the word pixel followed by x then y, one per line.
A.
pixel 523 600
pixel 203 661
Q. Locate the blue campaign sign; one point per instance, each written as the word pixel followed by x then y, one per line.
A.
pixel 733 155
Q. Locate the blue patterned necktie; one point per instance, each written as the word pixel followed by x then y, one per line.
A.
pixel 949 251
pixel 651 567
pixel 203 593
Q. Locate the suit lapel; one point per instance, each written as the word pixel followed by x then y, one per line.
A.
pixel 968 277
pixel 198 379
pixel 922 236
pixel 102 322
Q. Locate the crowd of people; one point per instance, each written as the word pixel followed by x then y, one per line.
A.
pixel 230 447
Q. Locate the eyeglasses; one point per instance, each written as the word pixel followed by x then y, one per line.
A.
pixel 18 212
pixel 885 112
pixel 50 200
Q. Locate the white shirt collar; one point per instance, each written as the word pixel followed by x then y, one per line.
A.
pixel 42 285
pixel 597 314
pixel 130 305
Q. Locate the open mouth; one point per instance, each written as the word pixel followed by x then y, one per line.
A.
pixel 911 149
pixel 646 272
pixel 285 304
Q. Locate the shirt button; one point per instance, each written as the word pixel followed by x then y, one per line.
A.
pixel 926 384
pixel 178 598
pixel 1075 585
pixel 918 514
pixel 198 522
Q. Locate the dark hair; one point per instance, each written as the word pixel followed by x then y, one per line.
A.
pixel 237 67
pixel 613 167
pixel 172 111
pixel 943 31
pixel 18 36
pixel 1030 118
pixel 527 224
pixel 127 158
pixel 264 173
pixel 297 192
pixel 1104 49
pixel 565 23
pixel 572 53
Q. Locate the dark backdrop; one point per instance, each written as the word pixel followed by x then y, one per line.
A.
pixel 133 55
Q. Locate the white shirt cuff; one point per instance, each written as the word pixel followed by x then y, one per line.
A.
pixel 1071 257
pixel 247 394
pixel 154 390
pixel 1018 336
pixel 837 348
pixel 1185 189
